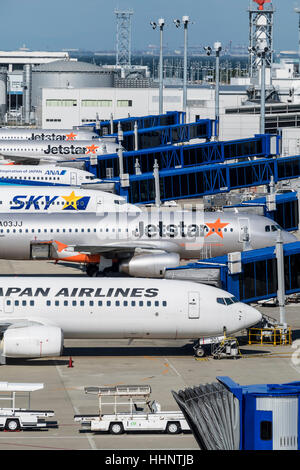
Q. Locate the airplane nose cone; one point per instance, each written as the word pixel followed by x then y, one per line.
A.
pixel 289 237
pixel 252 316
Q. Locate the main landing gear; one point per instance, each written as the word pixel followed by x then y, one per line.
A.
pixel 92 270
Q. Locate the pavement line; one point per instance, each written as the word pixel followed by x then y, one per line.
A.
pixel 172 367
pixel 76 411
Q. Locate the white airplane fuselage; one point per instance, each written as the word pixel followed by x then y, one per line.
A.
pixel 192 235
pixel 34 177
pixel 55 150
pixel 120 308
pixel 58 199
pixel 57 135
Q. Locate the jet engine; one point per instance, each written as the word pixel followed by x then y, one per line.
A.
pixel 150 265
pixel 32 341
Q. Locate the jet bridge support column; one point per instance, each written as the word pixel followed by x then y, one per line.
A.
pixel 124 178
pixel 280 277
pixel 156 182
pixel 136 136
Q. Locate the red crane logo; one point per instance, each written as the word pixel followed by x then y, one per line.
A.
pixel 261 3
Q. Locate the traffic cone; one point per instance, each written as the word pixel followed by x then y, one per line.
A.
pixel 70 362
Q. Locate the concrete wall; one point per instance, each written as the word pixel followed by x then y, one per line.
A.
pixel 201 103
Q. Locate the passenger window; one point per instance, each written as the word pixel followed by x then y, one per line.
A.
pixel 99 303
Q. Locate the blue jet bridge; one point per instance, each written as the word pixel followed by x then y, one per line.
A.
pixel 228 416
pixel 257 278
pixel 143 122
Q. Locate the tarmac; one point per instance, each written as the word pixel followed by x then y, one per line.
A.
pixel 164 365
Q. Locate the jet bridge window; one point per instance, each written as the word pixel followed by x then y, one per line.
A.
pixel 266 430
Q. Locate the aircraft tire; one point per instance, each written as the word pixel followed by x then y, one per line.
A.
pixel 199 352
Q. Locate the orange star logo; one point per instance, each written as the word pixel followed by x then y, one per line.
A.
pixel 216 227
pixel 92 148
pixel 70 136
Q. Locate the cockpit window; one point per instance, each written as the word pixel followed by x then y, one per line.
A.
pixel 227 300
pixel 119 201
pixel 267 228
pixel 274 228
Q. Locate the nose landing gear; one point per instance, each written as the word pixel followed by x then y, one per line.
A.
pixel 199 351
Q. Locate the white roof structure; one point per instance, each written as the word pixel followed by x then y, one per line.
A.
pixel 20 387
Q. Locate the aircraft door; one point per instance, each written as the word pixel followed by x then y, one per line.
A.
pixel 73 177
pixel 193 305
pixel 8 305
pixel 244 229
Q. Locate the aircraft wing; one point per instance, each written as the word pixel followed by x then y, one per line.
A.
pixel 120 246
pixel 19 323
pixel 23 160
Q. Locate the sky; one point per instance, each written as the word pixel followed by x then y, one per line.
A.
pixel 91 25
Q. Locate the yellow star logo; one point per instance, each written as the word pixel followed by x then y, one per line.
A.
pixel 71 200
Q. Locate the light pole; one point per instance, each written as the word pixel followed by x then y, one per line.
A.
pixel 185 22
pixel 217 49
pixel 262 53
pixel 161 23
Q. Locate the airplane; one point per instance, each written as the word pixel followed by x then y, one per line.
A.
pixel 37 314
pixel 61 199
pixel 45 175
pixel 138 244
pixel 25 151
pixel 22 133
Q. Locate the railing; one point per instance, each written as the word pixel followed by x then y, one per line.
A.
pixel 276 336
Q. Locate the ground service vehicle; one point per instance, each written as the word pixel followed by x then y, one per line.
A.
pixel 16 419
pixel 136 418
